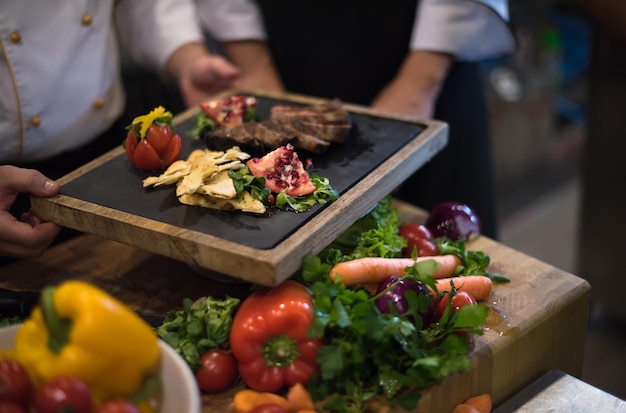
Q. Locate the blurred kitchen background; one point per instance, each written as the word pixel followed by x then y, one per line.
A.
pixel 558 149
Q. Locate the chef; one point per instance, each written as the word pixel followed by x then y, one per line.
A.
pixel 61 91
pixel 418 58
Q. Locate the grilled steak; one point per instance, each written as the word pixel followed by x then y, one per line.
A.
pixel 311 128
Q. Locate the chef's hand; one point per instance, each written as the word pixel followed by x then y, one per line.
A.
pixel 417 84
pixel 27 237
pixel 200 75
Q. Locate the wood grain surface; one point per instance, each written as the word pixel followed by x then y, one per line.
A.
pixel 537 322
pixel 266 266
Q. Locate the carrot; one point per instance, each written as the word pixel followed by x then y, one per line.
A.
pixel 299 398
pixel 246 400
pixel 482 402
pixel 464 408
pixel 478 286
pixel 370 270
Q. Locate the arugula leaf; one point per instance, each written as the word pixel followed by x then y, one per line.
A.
pixel 203 124
pixel 243 180
pixel 323 194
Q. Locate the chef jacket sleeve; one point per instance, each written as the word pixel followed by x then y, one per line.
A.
pixel 151 30
pixel 231 20
pixel 470 30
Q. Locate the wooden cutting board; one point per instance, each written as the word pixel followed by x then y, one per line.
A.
pixel 106 198
pixel 537 322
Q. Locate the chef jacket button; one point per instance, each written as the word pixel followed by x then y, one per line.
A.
pixel 16 37
pixel 87 19
pixel 35 121
pixel 98 103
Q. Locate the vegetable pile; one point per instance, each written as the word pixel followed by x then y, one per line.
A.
pixel 360 322
pixel 65 359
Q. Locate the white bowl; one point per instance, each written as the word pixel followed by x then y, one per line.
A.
pixel 180 391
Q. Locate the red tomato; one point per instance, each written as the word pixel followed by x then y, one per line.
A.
pixel 171 153
pixel 159 136
pixel 418 237
pixel 460 299
pixel 269 408
pixel 414 230
pixel 15 383
pixel 8 407
pixel 62 394
pixel 117 406
pixel 218 371
pixel 154 152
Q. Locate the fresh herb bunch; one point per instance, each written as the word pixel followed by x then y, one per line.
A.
pixel 370 355
pixel 201 325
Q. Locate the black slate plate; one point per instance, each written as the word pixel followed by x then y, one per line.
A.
pixel 117 184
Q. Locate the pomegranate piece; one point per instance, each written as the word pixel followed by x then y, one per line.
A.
pixel 282 170
pixel 230 111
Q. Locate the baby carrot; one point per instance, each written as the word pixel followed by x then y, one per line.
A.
pixel 482 402
pixel 371 270
pixel 464 408
pixel 478 286
pixel 246 400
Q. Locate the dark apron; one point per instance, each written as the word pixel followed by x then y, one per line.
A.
pixel 350 49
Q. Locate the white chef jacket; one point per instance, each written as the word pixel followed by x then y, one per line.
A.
pixel 60 83
pixel 470 30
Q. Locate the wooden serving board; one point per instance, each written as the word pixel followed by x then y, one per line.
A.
pixel 536 323
pixel 106 198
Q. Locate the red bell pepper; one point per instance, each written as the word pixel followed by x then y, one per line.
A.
pixel 269 338
pixel 151 144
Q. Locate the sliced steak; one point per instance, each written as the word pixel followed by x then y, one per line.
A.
pixel 222 138
pixel 334 133
pixel 331 112
pixel 302 140
pixel 310 128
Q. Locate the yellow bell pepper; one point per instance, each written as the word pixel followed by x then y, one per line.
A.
pixel 80 331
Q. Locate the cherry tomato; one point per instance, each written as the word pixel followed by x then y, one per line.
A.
pixel 171 153
pixel 62 394
pixel 414 230
pixel 460 299
pixel 117 406
pixel 146 156
pixel 218 371
pixel 15 383
pixel 418 237
pixel 269 408
pixel 8 407
pixel 159 136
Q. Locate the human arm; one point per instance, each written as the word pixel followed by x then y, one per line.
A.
pixel 444 31
pixel 238 26
pixel 164 35
pixel 27 236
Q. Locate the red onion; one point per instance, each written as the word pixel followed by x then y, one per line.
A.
pixel 454 220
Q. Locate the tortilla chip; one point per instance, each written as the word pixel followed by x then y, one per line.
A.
pixel 244 202
pixel 219 185
pixel 202 180
pixel 172 174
